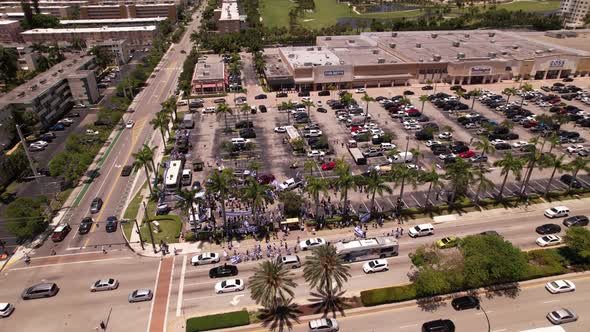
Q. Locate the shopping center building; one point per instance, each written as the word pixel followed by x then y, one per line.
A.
pixel 378 59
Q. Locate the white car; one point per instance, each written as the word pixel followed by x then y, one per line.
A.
pixel 497 141
pixel 413 127
pixel 447 156
pixel 229 285
pixel 280 130
pixel 141 295
pixel 205 258
pixel 519 144
pixel 6 309
pixel 66 121
pixel 560 286
pixel 549 240
pixel 289 184
pixel 306 99
pixel 312 243
pixel 129 124
pixel 387 146
pixel 432 142
pixel 319 103
pixel 91 132
pixel 410 122
pixel 323 325
pixel 574 148
pixel 445 135
pixel 413 166
pixel 360 90
pixel 312 133
pixel 209 110
pixel 376 265
pixel 104 285
pixel 41 144
pixel 315 153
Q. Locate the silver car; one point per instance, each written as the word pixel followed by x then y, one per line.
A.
pixel 104 285
pixel 140 295
pixel 561 316
pixel 40 290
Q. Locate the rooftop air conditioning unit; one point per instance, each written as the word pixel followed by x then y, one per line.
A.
pixel 434 35
pixel 291 55
pixel 392 45
pixel 466 35
pixel 493 41
pixel 43 81
pixel 205 73
pixel 420 60
pixel 549 50
pixel 310 48
pixel 456 44
pixel 34 87
pixel 394 34
pixel 460 55
pixel 491 34
pixel 21 94
pixel 351 41
pixel 436 57
pixel 207 65
pixel 328 38
pixel 381 60
pixel 492 54
pixel 514 47
pixel 418 45
pixel 319 48
pixel 375 51
pixel 307 64
pixel 538 51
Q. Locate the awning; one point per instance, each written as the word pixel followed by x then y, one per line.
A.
pixel 290 221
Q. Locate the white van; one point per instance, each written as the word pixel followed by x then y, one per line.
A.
pixel 239 141
pixel 402 157
pixel 557 212
pixel 187 177
pixel 421 230
pixel 291 261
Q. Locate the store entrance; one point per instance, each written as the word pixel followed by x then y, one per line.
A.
pixel 477 79
pixel 552 74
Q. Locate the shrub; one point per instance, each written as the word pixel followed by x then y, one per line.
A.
pixel 393 294
pixel 190 237
pixel 218 321
pixel 545 262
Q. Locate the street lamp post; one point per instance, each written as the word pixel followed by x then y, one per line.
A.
pixel 487 318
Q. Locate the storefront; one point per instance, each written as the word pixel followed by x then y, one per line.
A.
pixel 477 72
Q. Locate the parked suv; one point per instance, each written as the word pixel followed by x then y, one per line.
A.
pixel 421 230
pixel 60 232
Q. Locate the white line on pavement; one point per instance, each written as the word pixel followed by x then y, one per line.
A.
pixel 501 330
pixel 210 296
pixel 169 292
pixel 552 301
pixel 154 297
pixel 181 287
pixel 406 326
pixel 70 263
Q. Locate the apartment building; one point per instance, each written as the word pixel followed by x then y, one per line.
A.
pixel 53 93
pixel 228 17
pixel 574 12
pixel 142 35
pixel 10 31
pixel 119 49
pixel 118 11
pixel 58 11
pixel 116 22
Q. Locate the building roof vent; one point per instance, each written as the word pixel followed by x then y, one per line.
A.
pixel 549 50
pixel 381 60
pixel 436 57
pixel 310 48
pixel 492 41
pixel 420 60
pixel 307 64
pixel 466 35
pixel 394 34
pixel 418 45
pixel 206 65
pixel 538 51
pixel 514 47
pixel 351 41
pixel 34 87
pixel 491 34
pixel 433 35
pixel 504 53
pixel 328 38
pixel 392 45
pixel 319 48
pixel 341 62
pixel 456 44
pixel 205 73
pixel 375 51
pixel 460 55
pixel 21 94
pixel 43 81
pixel 492 55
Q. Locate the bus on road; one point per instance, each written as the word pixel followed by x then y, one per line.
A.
pixel 365 249
pixel 172 176
pixel 358 156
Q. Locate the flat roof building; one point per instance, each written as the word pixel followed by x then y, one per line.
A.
pixel 10 31
pixel 209 75
pixel 118 49
pixel 574 12
pixel 228 18
pixel 134 35
pixel 117 22
pixel 119 11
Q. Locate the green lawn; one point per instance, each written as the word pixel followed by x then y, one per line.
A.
pixel 531 6
pixel 275 13
pixel 170 227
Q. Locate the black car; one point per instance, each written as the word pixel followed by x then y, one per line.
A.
pixel 48 137
pixel 423 135
pixel 196 185
pixel 503 146
pixel 281 95
pixel 465 302
pixel 85 225
pixel 244 124
pixel 126 171
pixel 568 79
pixel 73 115
pixel 571 181
pixel 548 229
pixel 303 94
pixel 408 93
pixel 441 325
pixel 247 133
pixel 223 271
pixel 261 96
pixel 322 110
pixel 111 224
pixel 324 93
pixel 576 221
pixel 427 87
pixel 219 101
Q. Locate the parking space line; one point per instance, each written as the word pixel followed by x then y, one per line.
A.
pixel 390 202
pixel 415 200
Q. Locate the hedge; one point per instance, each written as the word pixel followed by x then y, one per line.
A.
pixel 218 321
pixel 385 295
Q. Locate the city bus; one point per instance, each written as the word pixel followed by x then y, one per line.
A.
pixel 172 176
pixel 357 156
pixel 366 249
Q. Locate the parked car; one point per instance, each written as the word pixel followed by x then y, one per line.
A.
pixel 312 243
pixel 260 96
pixel 571 181
pixel 560 286
pixel 328 166
pixel 57 127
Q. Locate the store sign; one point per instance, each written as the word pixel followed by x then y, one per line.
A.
pixel 334 73
pixel 557 63
pixel 481 70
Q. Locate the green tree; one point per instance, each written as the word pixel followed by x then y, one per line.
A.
pixel 314 187
pixel 324 269
pixel 509 92
pixel 575 166
pixel 8 65
pixel 28 11
pixel 434 181
pixel 326 301
pixel 292 203
pixel 482 182
pixel 271 281
pixel 376 184
pixel 187 202
pixel 346 98
pixel 143 159
pixel 367 99
pixel 578 240
pixel 220 184
pixel 103 57
pixel 308 166
pixel 430 281
pixel 344 182
pixel 526 87
pixel 36 6
pixel 557 164
pixel 509 164
pixel 257 195
pixel 225 110
pixel 26 217
pixel 484 146
pixel 169 106
pixel 308 104
pixel 423 99
pixel 474 94
pixel 460 176
pixel 280 315
pixel 161 122
pixel 402 175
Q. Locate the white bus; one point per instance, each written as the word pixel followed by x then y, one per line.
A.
pixel 365 249
pixel 555 328
pixel 358 156
pixel 172 178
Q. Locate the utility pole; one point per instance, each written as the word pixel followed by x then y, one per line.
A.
pixel 25 147
pixel 139 233
pixel 146 219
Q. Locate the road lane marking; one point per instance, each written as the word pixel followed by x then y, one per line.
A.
pixel 551 301
pixel 70 263
pixel 500 330
pixel 169 291
pixel 153 300
pixel 406 326
pixel 210 296
pixel 181 287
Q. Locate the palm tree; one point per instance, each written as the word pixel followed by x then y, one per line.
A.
pixel 149 153
pixel 553 141
pixel 314 187
pixel 474 94
pixel 483 183
pixel 308 165
pixel 556 163
pixel 484 146
pixel 526 87
pixel 324 268
pixel 575 166
pixel 280 315
pixel 459 93
pixel 376 185
pixel 344 183
pixel 404 175
pixel 434 181
pixel 220 183
pixel 460 176
pixel 288 106
pixel 367 99
pixel 308 104
pixel 329 300
pixel 187 202
pixel 143 160
pixel 245 108
pixel 509 92
pixel 169 106
pixel 509 164
pixel 423 99
pixel 161 122
pixel 271 281
pixel 257 194
pixel 225 110
pixel 533 157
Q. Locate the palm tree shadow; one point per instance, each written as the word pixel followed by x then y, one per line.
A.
pixel 510 290
pixel 431 304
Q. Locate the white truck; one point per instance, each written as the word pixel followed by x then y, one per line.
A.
pixel 402 157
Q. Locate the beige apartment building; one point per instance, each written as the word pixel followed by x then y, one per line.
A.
pixel 133 35
pixel 574 12
pixel 10 31
pixel 119 11
pixel 228 17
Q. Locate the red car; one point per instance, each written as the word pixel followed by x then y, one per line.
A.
pixel 467 154
pixel 355 128
pixel 412 111
pixel 266 178
pixel 328 166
